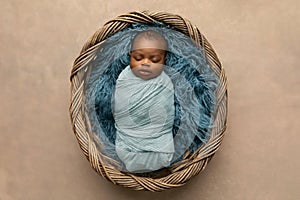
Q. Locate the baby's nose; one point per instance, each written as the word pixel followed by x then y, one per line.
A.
pixel 146 62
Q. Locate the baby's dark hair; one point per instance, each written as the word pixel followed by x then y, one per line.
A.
pixel 150 35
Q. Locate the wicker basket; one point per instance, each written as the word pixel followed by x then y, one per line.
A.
pixel 181 172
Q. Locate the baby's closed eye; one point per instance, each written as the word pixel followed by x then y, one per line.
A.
pixel 155 59
pixel 137 57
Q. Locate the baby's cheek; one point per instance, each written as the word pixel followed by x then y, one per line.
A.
pixel 133 64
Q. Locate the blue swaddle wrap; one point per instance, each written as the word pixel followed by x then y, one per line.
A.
pixel 144 116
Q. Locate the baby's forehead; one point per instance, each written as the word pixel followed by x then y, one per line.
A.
pixel 149 39
pixel 145 43
pixel 148 51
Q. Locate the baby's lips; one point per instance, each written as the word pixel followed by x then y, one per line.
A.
pixel 144 72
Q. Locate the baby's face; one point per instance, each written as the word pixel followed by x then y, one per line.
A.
pixel 147 58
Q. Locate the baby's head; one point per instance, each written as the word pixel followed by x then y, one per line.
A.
pixel 148 54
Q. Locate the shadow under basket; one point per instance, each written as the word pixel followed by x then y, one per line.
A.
pixel 192 163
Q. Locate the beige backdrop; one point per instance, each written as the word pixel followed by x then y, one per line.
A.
pixel 258 44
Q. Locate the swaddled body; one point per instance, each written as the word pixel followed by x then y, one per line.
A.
pixel 144 107
pixel 144 116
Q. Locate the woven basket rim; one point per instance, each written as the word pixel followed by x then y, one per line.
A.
pixel 190 166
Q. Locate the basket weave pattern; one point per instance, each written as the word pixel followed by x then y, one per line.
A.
pixel 180 172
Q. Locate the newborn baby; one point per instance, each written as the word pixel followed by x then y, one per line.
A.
pixel 144 107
